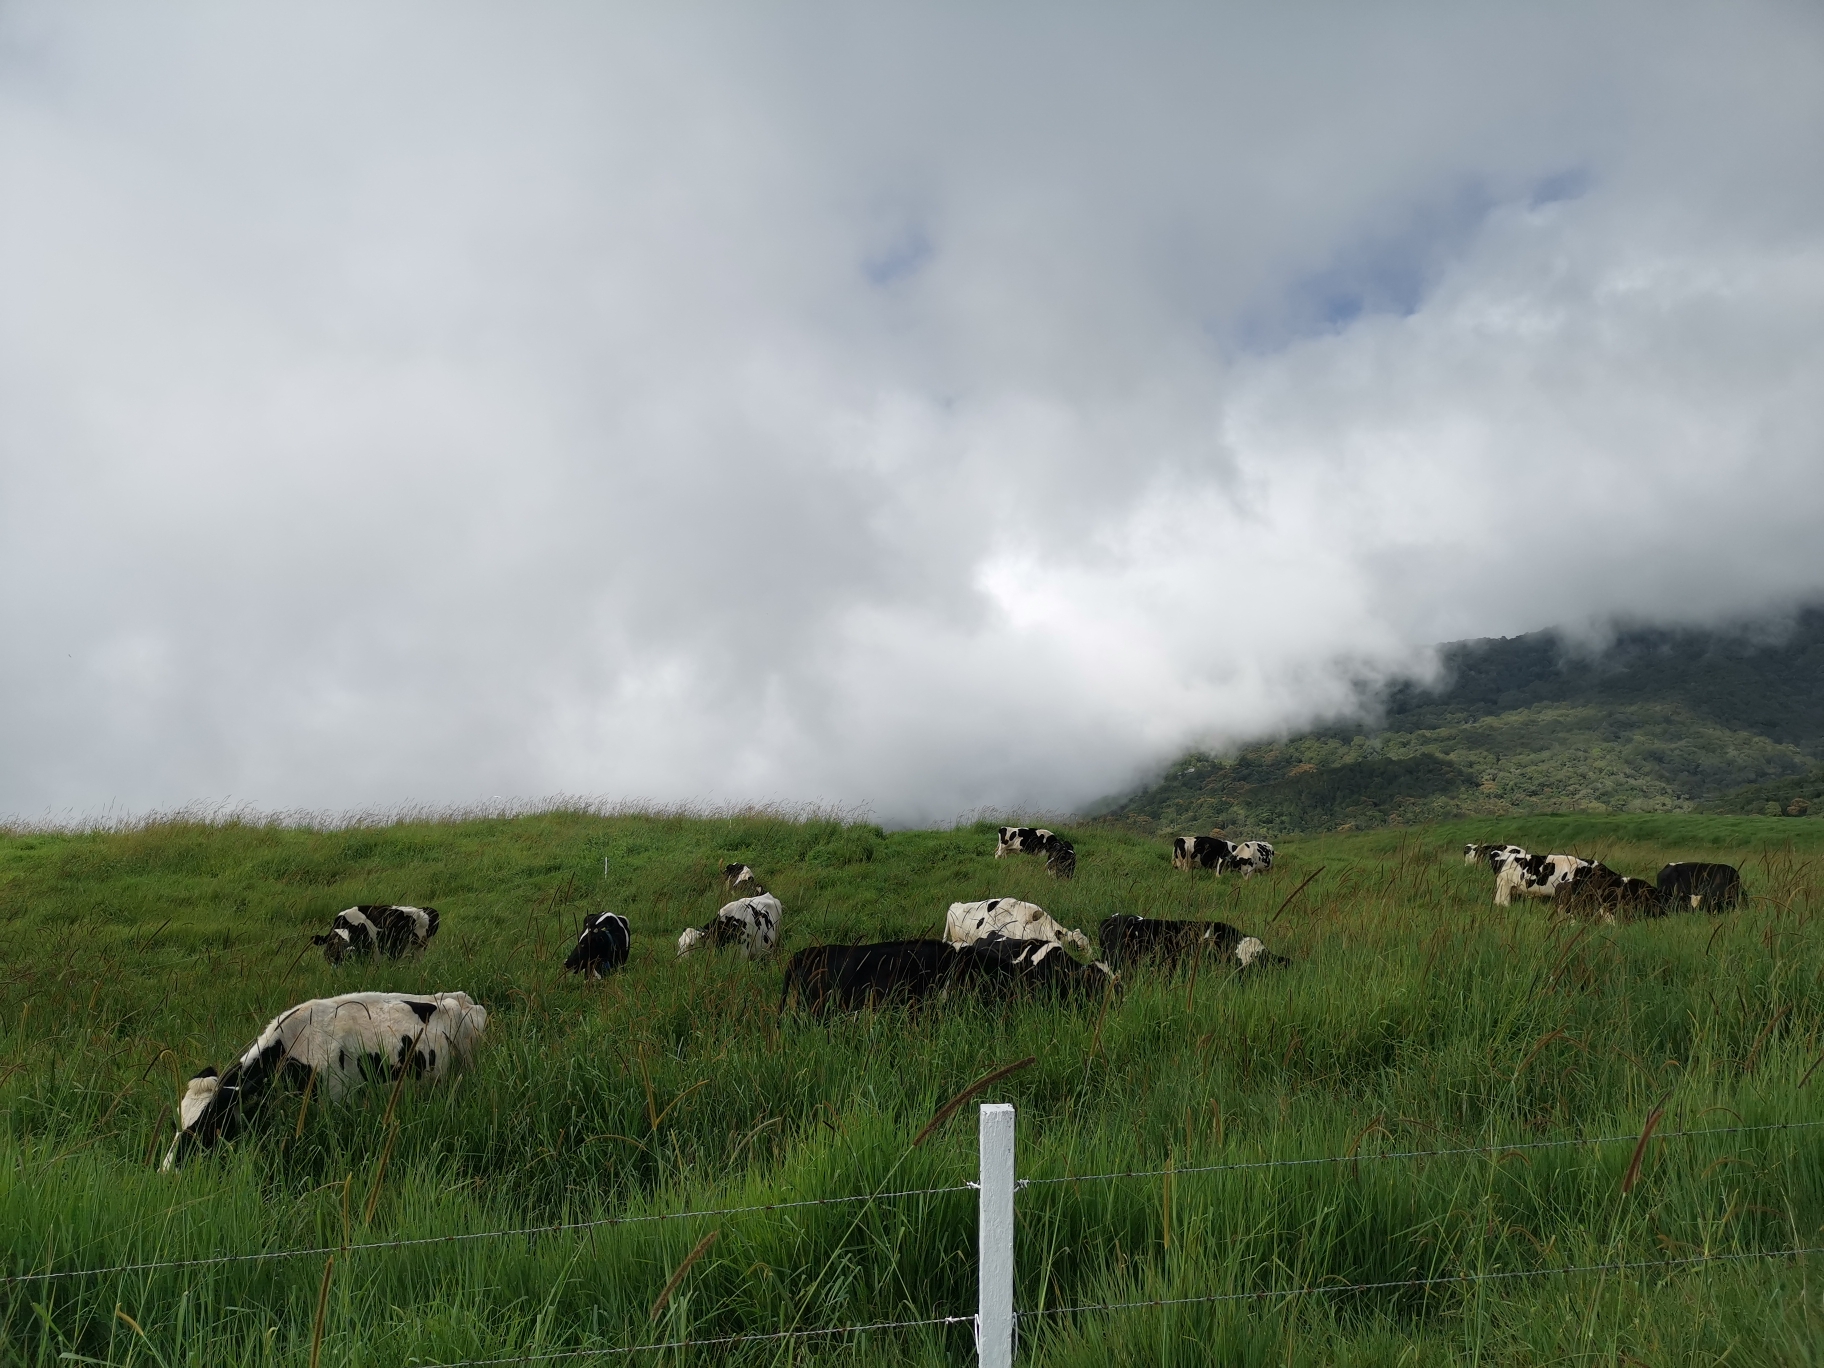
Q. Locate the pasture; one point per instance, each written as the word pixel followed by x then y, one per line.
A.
pixel 1416 1017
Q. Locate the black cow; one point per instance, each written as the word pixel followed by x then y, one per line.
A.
pixel 996 966
pixel 602 946
pixel 849 977
pixel 1712 887
pixel 360 932
pixel 1596 890
pixel 1128 940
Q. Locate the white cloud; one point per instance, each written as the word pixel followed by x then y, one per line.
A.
pixel 913 407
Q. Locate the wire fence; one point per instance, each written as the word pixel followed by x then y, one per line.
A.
pixel 1492 1148
pixel 1496 1149
pixel 557 1228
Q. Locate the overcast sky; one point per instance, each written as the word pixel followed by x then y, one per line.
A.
pixel 903 406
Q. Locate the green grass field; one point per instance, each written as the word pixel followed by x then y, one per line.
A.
pixel 1416 1017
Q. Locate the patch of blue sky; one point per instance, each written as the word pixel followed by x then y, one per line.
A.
pixel 1385 271
pixel 903 256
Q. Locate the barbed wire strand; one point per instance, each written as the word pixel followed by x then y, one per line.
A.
pixel 1335 1289
pixel 563 1227
pixel 1417 1154
pixel 608 1221
pixel 719 1341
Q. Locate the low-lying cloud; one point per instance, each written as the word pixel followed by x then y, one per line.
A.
pixel 908 407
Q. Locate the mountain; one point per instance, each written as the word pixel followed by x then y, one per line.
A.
pixel 1660 720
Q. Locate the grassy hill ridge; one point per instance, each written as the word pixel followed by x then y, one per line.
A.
pixel 1661 721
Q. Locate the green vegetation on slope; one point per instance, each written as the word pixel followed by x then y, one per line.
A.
pixel 1659 722
pixel 1416 1016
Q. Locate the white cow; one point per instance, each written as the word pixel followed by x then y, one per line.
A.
pixel 967 923
pixel 346 1041
pixel 751 923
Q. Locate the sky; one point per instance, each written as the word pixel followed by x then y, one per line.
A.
pixel 912 408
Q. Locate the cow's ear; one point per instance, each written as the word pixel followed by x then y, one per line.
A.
pixel 319 940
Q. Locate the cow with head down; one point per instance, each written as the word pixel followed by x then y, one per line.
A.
pixel 602 946
pixel 1060 855
pixel 1531 876
pixel 1220 855
pixel 377 929
pixel 1598 892
pixel 1128 940
pixel 343 1042
pixel 751 924
pixel 966 923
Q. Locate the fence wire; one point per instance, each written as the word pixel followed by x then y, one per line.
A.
pixel 1495 1147
pixel 1337 1289
pixel 567 1227
pixel 529 1232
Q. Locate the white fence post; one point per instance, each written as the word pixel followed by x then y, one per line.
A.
pixel 994 1313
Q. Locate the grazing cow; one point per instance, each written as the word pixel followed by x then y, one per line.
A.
pixel 1127 940
pixel 602 946
pixel 1060 855
pixel 1024 841
pixel 1712 887
pixel 1201 852
pixel 966 923
pixel 849 977
pixel 1215 853
pixel 347 1040
pixel 1252 857
pixel 995 965
pixel 738 876
pixel 751 923
pixel 1485 854
pixel 1532 876
pixel 358 932
pixel 1596 890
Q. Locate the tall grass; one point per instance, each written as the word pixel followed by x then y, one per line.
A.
pixel 1417 1017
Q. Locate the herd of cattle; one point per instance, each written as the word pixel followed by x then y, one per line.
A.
pixel 992 949
pixel 1586 888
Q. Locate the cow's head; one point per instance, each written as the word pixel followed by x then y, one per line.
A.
pixel 198 1119
pixel 335 945
pixel 1075 938
pixel 688 941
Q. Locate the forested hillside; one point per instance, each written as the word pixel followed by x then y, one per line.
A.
pixel 1661 721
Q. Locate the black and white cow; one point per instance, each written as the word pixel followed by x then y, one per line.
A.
pixel 1252 857
pixel 999 966
pixel 377 928
pixel 602 947
pixel 346 1041
pixel 751 923
pixel 1712 887
pixel 1215 853
pixel 851 977
pixel 1595 890
pixel 1201 852
pixel 1531 876
pixel 1485 854
pixel 1060 855
pixel 966 923
pixel 1024 841
pixel 1128 940
pixel 738 876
